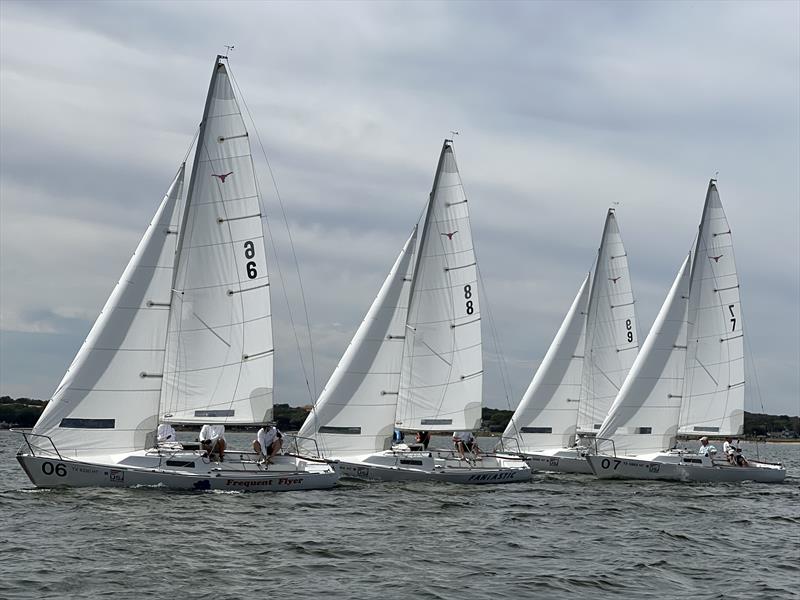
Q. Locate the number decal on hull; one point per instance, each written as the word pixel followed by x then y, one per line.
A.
pixel 48 469
pixel 606 463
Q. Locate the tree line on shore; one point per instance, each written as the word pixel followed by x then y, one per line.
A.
pixel 23 412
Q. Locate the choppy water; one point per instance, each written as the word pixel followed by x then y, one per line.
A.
pixel 555 537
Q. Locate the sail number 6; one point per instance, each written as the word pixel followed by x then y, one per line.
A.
pixel 467 296
pixel 249 253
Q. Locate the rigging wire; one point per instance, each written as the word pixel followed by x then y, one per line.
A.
pixel 312 394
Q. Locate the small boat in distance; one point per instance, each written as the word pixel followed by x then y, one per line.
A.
pixel 185 337
pixel 689 377
pixel 415 363
pixel 588 360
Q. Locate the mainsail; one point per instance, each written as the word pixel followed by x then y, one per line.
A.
pixel 355 412
pixel 442 371
pixel 714 393
pixel 108 399
pixel 546 415
pixel 219 363
pixel 612 339
pixel 644 415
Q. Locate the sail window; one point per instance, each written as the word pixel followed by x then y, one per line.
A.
pixel 345 430
pixel 87 423
pixel 645 430
pixel 189 464
pixel 214 413
pixel 709 429
pixel 436 422
pixel 537 430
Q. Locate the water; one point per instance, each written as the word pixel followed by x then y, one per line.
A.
pixel 555 537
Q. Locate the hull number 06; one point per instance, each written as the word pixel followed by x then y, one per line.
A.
pixel 48 469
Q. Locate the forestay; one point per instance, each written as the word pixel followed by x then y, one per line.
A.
pixel 644 415
pixel 546 415
pixel 108 400
pixel 442 371
pixel 714 393
pixel 356 410
pixel 612 340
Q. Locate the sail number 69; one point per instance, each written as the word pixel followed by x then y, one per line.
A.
pixel 250 252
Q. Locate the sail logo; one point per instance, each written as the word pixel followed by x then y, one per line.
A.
pixel 222 177
pixel 450 235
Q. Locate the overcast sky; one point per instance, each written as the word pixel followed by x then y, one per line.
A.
pixel 563 108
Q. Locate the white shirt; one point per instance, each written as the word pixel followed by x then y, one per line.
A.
pixel 166 433
pixel 266 436
pixel 728 448
pixel 464 436
pixel 212 432
pixel 706 450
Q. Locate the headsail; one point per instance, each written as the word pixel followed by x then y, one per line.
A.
pixel 355 412
pixel 219 348
pixel 714 393
pixel 108 400
pixel 612 339
pixel 442 372
pixel 546 415
pixel 644 415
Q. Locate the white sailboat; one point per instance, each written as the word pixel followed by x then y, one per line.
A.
pixel 584 367
pixel 415 362
pixel 185 337
pixel 689 377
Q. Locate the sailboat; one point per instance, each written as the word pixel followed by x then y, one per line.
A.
pixel 185 337
pixel 689 377
pixel 584 367
pixel 415 363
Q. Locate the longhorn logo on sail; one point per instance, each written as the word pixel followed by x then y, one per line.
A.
pixel 716 258
pixel 222 177
pixel 614 280
pixel 450 235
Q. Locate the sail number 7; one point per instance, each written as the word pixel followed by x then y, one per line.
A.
pixel 250 253
pixel 733 317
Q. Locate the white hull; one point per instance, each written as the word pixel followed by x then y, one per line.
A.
pixel 180 470
pixel 559 460
pixel 682 466
pixel 435 465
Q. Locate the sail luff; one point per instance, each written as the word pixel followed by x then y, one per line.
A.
pixel 547 414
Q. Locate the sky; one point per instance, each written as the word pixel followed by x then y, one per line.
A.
pixel 563 109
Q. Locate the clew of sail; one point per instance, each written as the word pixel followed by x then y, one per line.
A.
pixel 355 412
pixel 714 392
pixel 219 363
pixel 547 413
pixel 612 339
pixel 645 413
pixel 108 399
pixel 442 371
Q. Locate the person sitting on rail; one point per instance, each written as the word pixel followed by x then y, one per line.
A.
pixel 212 440
pixel 705 448
pixel 268 443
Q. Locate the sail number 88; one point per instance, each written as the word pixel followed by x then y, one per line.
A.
pixel 467 297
